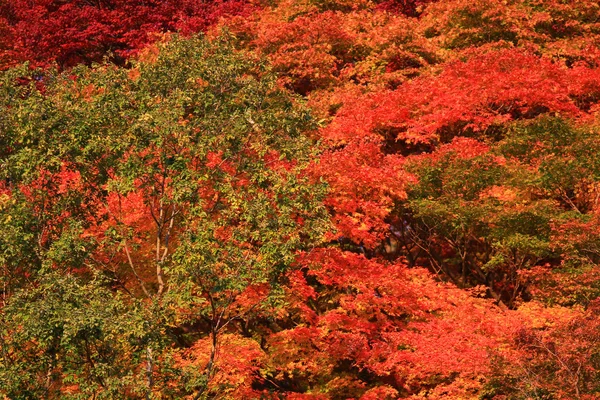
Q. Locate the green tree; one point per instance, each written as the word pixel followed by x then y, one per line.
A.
pixel 181 181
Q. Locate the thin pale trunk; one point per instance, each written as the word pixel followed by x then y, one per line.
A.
pixel 162 243
pixel 131 265
pixel 149 371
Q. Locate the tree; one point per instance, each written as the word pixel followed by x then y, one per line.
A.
pixel 182 181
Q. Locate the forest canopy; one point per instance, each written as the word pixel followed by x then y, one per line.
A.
pixel 316 199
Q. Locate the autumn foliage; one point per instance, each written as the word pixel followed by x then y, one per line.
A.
pixel 316 199
pixel 72 32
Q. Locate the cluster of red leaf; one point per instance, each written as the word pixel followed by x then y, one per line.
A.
pixel 394 90
pixel 73 32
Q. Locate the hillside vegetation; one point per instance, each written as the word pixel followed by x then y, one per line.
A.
pixel 300 199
